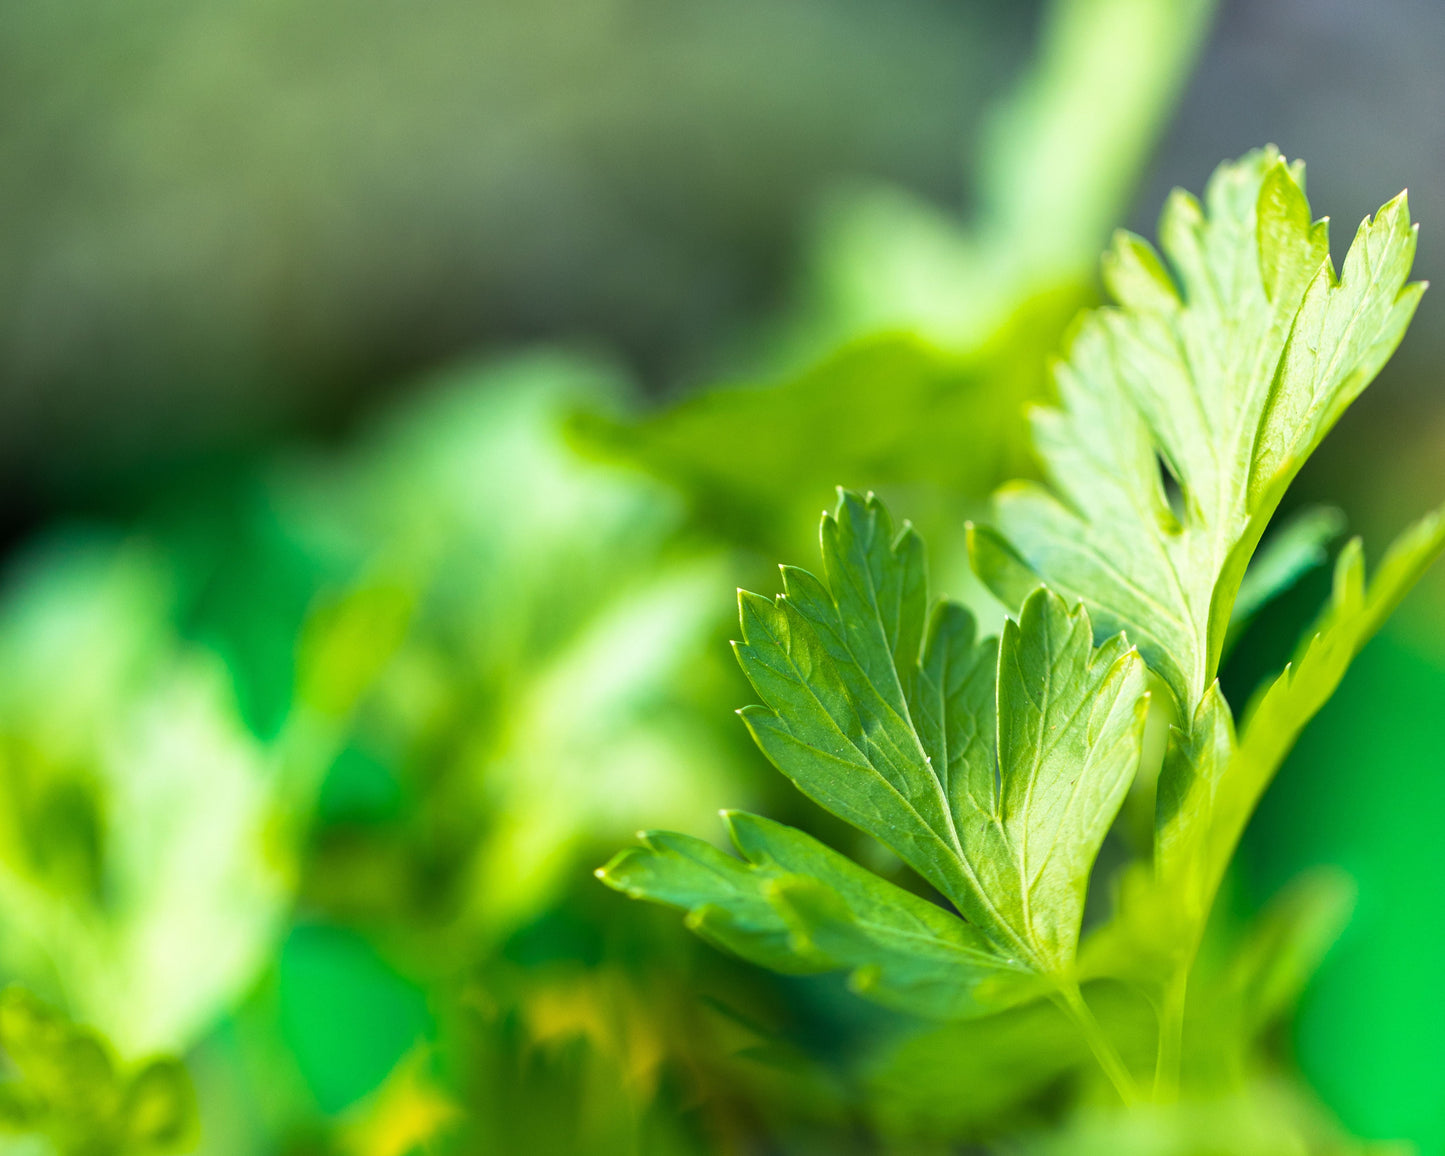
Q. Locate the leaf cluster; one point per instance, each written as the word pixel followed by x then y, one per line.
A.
pixel 995 769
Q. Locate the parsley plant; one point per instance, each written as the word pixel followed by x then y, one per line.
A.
pixel 996 768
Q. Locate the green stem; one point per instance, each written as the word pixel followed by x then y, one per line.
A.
pixel 1171 1037
pixel 1072 1001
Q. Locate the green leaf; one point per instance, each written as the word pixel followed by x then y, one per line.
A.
pixel 995 780
pixel 945 419
pixel 1286 555
pixel 145 891
pixel 728 901
pixel 1213 777
pixel 1059 158
pixel 1207 794
pixel 1071 721
pixel 1218 381
pixel 1007 575
pixel 994 770
pixel 973 1079
pixel 796 906
pixel 562 636
pixel 1286 944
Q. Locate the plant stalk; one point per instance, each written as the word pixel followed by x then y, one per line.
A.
pixel 1072 1001
pixel 1171 1037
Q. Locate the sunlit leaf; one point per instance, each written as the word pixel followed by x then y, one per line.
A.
pixel 1219 380
pixel 993 769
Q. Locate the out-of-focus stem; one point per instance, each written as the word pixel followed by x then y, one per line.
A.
pixel 1072 1001
pixel 1171 1037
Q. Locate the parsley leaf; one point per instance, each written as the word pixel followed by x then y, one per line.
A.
pixel 799 907
pixel 1185 412
pixel 1208 792
pixel 1215 775
pixel 1220 384
pixel 994 769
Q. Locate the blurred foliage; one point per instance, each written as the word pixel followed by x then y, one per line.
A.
pixel 526 634
pixel 918 336
pixel 305 766
pixel 64 1083
pixel 144 893
pixel 502 655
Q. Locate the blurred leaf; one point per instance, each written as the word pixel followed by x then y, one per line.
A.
pixel 886 410
pixel 65 1084
pixel 347 1015
pixel 983 1079
pixel 137 874
pixel 971 1080
pixel 521 638
pixel 1267 1115
pixel 1286 944
pixel 568 1059
pixel 1239 996
pixel 409 1113
pixel 1285 555
pixel 921 338
pixel 346 644
pixel 1056 165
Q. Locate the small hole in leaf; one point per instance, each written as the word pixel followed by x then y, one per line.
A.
pixel 1173 491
